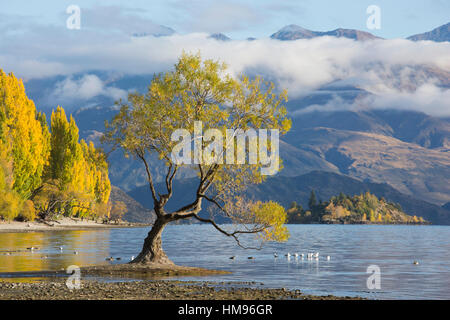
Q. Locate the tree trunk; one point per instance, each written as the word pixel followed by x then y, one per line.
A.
pixel 152 252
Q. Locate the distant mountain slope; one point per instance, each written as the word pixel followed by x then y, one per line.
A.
pixel 405 166
pixel 159 31
pixel 326 184
pixel 439 34
pixel 129 173
pixel 407 150
pixel 415 127
pixel 294 32
pixel 136 212
pixel 219 36
pixel 408 126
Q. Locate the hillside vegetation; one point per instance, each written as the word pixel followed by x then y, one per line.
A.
pixel 325 184
pixel 359 209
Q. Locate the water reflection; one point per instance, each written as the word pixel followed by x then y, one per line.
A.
pixel 15 256
pixel 352 250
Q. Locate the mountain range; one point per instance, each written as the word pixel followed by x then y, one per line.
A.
pixel 440 34
pixel 406 150
pixel 285 190
pixel 220 37
pixel 294 32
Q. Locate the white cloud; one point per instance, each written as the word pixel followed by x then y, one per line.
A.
pixel 85 88
pixel 399 73
pixel 427 98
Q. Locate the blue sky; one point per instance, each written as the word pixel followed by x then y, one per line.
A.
pixel 255 18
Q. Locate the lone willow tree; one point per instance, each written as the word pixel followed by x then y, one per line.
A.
pixel 202 92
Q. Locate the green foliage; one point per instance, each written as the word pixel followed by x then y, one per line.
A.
pixel 203 90
pixel 364 208
pixel 312 200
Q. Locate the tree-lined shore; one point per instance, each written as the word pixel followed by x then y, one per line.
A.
pixel 46 172
pixel 365 208
pixel 64 224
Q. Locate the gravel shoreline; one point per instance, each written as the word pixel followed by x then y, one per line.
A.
pixel 56 289
pixel 62 224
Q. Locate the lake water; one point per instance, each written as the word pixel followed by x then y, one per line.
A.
pixel 352 249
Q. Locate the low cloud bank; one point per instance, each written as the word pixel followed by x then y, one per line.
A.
pixel 89 86
pixel 397 73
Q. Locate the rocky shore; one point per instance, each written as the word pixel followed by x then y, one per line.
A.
pixel 149 283
pixel 56 289
pixel 146 272
pixel 118 272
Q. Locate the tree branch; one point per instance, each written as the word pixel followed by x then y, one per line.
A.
pixel 234 234
pixel 156 202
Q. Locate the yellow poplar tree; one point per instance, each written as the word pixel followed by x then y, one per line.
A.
pixel 31 157
pixel 30 147
pixel 80 168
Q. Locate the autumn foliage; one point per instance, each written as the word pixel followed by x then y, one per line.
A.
pixel 46 172
pixel 203 90
pixel 365 208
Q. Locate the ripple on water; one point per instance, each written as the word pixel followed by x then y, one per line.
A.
pixel 352 249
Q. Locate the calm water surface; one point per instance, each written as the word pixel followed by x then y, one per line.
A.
pixel 352 249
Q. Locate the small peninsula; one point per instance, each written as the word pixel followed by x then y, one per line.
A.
pixel 365 208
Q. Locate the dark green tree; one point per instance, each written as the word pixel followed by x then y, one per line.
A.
pixel 312 200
